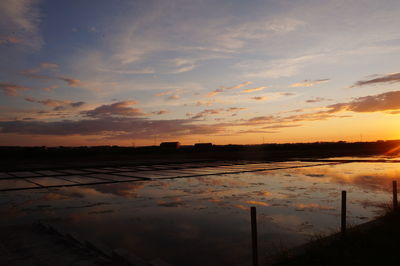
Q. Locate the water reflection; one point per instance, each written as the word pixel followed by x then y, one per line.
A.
pixel 205 220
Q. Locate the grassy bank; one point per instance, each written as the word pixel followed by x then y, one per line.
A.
pixel 374 243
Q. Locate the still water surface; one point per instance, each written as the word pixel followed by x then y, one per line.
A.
pixel 206 220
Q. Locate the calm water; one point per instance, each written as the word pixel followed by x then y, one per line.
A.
pixel 206 220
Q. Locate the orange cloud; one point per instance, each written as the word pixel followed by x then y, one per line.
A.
pixel 238 86
pixel 373 103
pixel 254 89
pixel 309 83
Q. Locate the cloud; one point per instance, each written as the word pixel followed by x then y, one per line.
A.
pixel 373 103
pixel 238 86
pixel 317 100
pixel 204 103
pixel 174 94
pixel 48 102
pixel 116 109
pixel 389 78
pixel 111 127
pixel 213 93
pixel 167 92
pixel 77 104
pixel 287 93
pixel 50 88
pixel 47 65
pixel 281 126
pixel 9 40
pixel 71 82
pixel 388 102
pixel 21 17
pixel 254 89
pixel 174 97
pixel 184 64
pixel 217 111
pixel 160 112
pixel 260 98
pixel 12 89
pixel 309 83
pixel 235 109
pixel 146 70
pixel 208 112
pixel 278 68
pixel 185 69
pixel 33 72
pixel 30 74
pixel 57 104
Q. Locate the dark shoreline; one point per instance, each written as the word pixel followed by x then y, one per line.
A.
pixel 24 158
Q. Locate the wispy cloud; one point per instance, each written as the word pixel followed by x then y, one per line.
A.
pixel 57 104
pixel 309 83
pixel 12 89
pixel 174 94
pixel 136 71
pixel 71 82
pixel 317 100
pixel 48 102
pixel 22 17
pixel 277 68
pixel 389 78
pixel 259 98
pixel 222 89
pixel 254 89
pixel 160 112
pixel 217 111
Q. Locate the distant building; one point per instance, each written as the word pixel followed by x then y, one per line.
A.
pixel 170 145
pixel 203 146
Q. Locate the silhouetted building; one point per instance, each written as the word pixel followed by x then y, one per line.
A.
pixel 170 145
pixel 203 146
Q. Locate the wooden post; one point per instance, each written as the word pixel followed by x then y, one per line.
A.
pixel 254 235
pixel 343 215
pixel 395 202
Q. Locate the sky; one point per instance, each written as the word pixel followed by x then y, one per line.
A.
pixel 96 72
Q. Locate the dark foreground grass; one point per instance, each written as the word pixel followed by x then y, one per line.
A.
pixel 374 243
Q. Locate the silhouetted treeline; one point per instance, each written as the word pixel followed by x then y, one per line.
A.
pixel 262 151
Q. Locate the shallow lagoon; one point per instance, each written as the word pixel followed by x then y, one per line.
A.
pixel 205 220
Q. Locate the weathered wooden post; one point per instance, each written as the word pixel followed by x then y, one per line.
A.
pixel 253 214
pixel 395 202
pixel 343 214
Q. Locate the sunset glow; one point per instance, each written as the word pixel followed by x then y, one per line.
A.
pixel 142 72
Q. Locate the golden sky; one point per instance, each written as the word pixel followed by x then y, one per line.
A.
pixel 143 72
